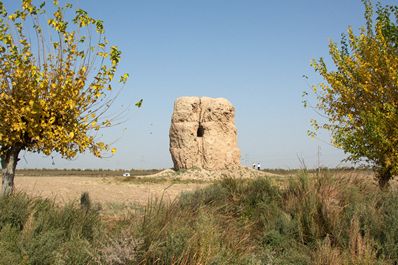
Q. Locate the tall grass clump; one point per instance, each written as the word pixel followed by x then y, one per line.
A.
pixel 311 220
pixel 221 224
pixel 324 219
pixel 36 231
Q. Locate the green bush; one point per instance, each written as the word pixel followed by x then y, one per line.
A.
pixel 310 220
pixel 36 231
pixel 314 219
pixel 14 210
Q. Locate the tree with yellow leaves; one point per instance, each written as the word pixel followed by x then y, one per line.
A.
pixel 360 95
pixel 55 83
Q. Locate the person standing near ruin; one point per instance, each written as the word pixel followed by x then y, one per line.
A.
pixel 258 166
pixel 254 165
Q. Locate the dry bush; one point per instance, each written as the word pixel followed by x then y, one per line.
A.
pixel 326 254
pixel 117 251
pixel 313 220
pixel 361 247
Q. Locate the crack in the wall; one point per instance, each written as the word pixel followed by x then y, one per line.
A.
pixel 201 148
pixel 203 134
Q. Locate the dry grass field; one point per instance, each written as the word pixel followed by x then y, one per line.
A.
pixel 103 189
pixel 107 188
pixel 247 216
pixel 111 190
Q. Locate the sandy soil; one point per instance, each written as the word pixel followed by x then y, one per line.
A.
pixel 111 191
pixel 103 190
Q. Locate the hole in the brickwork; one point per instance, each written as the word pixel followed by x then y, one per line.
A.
pixel 201 131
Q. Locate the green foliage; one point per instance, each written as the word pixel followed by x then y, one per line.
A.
pixel 359 97
pixel 14 211
pixel 36 231
pixel 311 220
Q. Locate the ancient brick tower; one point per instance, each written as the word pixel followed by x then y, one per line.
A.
pixel 203 134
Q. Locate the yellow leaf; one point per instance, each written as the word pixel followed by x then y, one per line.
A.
pixel 113 150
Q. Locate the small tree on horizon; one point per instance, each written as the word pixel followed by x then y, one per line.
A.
pixel 360 96
pixel 55 83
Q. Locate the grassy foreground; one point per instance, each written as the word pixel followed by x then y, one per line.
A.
pixel 320 220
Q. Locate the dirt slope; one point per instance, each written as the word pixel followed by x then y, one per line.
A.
pixel 103 190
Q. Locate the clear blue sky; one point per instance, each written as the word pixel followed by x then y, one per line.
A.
pixel 251 52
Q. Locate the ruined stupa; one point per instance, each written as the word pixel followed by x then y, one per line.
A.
pixel 203 134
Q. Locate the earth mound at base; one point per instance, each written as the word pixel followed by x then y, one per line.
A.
pixel 210 175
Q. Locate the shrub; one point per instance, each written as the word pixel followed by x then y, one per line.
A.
pixel 36 231
pixel 311 220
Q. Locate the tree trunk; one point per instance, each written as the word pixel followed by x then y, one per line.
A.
pixel 9 162
pixel 384 175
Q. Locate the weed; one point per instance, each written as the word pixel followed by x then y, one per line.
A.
pixel 311 220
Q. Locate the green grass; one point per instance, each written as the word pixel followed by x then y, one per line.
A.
pixel 334 171
pixel 85 172
pixel 35 231
pixel 310 220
